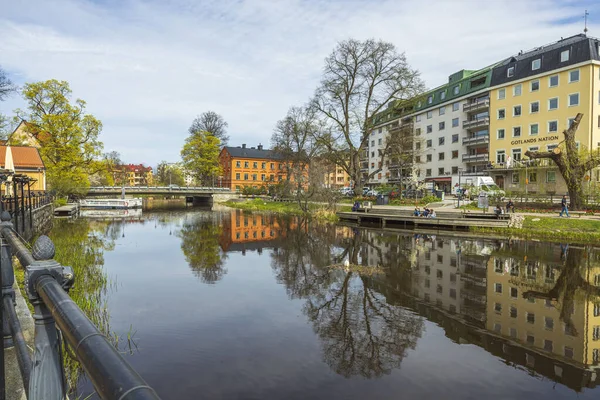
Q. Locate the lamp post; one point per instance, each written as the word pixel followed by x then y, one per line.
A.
pixel 459 187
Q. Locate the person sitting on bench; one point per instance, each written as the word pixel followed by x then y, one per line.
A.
pixel 498 210
pixel 432 213
pixel 417 212
pixel 510 206
pixel 356 206
pixel 425 212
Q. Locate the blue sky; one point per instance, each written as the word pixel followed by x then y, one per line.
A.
pixel 147 68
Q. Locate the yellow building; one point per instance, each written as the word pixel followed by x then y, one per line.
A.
pixel 337 177
pixel 533 97
pixel 133 175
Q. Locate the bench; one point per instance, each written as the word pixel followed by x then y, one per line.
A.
pixel 485 215
pixel 578 213
pixel 365 207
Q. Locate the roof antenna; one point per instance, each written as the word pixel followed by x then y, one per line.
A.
pixel 585 15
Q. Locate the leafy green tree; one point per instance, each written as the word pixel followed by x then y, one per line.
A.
pixel 169 174
pixel 200 155
pixel 70 147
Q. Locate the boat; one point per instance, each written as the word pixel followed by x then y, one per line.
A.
pixel 111 214
pixel 111 204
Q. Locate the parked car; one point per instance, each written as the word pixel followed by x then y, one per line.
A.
pixel 372 192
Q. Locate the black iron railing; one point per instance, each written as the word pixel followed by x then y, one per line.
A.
pixel 46 284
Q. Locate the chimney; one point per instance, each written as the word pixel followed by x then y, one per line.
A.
pixel 260 147
pixel 243 145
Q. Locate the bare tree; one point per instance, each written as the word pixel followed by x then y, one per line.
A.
pixel 294 140
pixel 572 163
pixel 212 123
pixel 359 81
pixel 6 85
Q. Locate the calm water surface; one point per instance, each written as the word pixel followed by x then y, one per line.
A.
pixel 226 305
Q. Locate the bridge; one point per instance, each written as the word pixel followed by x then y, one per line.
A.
pixel 193 195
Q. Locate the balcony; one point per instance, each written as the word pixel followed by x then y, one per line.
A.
pixel 476 123
pixel 482 157
pixel 476 106
pixel 482 139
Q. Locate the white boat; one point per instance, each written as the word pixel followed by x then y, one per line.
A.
pixel 111 204
pixel 111 214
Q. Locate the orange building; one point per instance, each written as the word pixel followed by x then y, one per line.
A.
pixel 253 167
pixel 24 160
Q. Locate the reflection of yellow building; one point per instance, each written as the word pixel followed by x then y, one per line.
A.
pixel 536 322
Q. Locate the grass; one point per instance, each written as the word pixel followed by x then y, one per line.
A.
pixel 553 230
pixel 316 211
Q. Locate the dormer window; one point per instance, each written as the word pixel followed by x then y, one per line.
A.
pixel 536 64
pixel 564 56
pixel 443 95
pixel 510 72
pixel 456 89
pixel 429 99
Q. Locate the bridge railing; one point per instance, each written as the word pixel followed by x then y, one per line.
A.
pixel 47 283
pixel 158 188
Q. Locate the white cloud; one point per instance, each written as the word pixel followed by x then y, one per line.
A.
pixel 147 69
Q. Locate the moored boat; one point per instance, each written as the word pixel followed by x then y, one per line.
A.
pixel 111 204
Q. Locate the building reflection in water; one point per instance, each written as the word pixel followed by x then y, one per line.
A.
pixel 535 305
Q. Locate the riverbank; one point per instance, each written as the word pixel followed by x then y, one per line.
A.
pixel 316 211
pixel 552 229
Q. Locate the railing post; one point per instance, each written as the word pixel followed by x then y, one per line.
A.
pixel 16 204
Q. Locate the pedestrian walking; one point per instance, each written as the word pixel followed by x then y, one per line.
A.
pixel 565 208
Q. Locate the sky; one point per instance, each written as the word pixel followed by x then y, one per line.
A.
pixel 147 68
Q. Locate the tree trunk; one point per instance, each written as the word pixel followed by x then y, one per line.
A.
pixel 575 188
pixel 357 176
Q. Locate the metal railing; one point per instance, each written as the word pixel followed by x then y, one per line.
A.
pixel 171 188
pixel 46 285
pixel 476 105
pixel 475 157
pixel 483 139
pixel 476 123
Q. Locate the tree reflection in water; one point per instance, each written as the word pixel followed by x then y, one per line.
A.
pixel 361 333
pixel 200 246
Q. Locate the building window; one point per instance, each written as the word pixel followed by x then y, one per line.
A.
pixel 501 113
pixel 552 126
pixel 515 177
pixel 574 76
pixel 455 138
pixel 533 129
pixel 429 143
pixel 254 177
pixel 548 346
pixel 517 89
pixel 532 177
pixel 596 332
pixel 455 120
pixel 536 64
pixel 262 177
pixel 516 111
pixel 517 131
pixel 245 177
pixel 418 146
pixel 418 131
pixel 443 109
pixel 418 159
pixel 441 141
pixel 516 154
pixel 238 164
pixel 272 166
pixel 564 56
pixel 535 86
pixel 429 157
pixel 501 133
pixel 254 165
pixel 442 95
pixel 456 89
pixel 440 171
pixel 531 318
pixel 379 141
pixel 442 126
pixel 500 156
pixel 514 292
pixel 418 118
pixel 510 72
pixel 372 154
pixel 246 164
pixel 553 103
pixel 372 143
pixel 441 156
pixel 455 106
pixel 429 114
pixel 513 312
pixel 237 176
pixel 429 128
pixel 534 107
pixel 454 172
pixel 574 99
pixel 568 352
pixel 429 99
pixel 501 94
pixel 428 172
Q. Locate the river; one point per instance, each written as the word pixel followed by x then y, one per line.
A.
pixel 227 305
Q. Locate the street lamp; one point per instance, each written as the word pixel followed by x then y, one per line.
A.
pixel 459 187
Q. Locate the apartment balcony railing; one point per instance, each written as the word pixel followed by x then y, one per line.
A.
pixel 520 164
pixel 476 123
pixel 475 157
pixel 476 106
pixel 483 139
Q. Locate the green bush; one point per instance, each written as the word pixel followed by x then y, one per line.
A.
pixel 429 199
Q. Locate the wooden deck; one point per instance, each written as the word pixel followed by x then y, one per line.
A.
pixel 448 221
pixel 66 211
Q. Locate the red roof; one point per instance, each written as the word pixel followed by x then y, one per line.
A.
pixel 135 167
pixel 23 156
